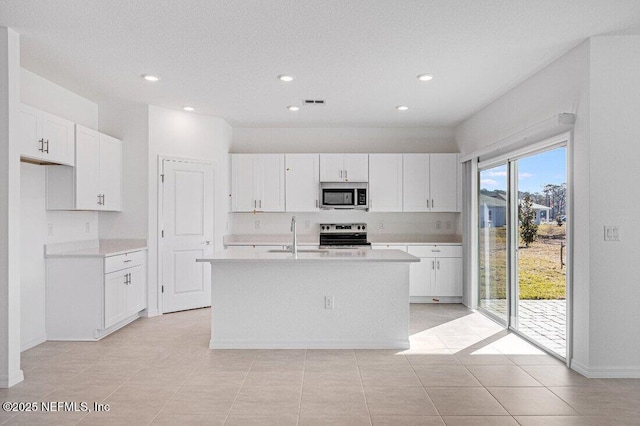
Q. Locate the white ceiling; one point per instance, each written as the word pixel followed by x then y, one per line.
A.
pixel 361 56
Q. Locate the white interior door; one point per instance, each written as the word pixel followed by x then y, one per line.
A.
pixel 187 221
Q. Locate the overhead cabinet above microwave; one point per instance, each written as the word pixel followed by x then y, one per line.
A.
pixel 45 138
pixel 344 167
pixel 95 183
pixel 257 182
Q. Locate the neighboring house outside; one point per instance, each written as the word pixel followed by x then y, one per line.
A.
pixel 493 212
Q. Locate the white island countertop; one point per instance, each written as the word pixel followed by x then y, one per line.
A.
pixel 316 256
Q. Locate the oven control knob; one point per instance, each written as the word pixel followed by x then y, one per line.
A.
pixel 358 227
pixel 363 227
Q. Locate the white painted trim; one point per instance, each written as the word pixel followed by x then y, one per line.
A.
pixel 150 314
pixel 14 379
pixel 33 343
pixel 429 299
pixel 311 344
pixel 606 372
pixel 555 125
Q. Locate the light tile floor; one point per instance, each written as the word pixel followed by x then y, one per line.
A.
pixel 462 369
pixel 544 321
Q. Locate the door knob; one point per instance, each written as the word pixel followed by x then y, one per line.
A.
pixel 207 243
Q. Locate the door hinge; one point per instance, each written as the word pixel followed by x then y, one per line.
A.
pixel 162 177
pixel 163 289
pixel 163 233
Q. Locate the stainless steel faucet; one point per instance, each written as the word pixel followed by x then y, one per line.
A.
pixel 294 246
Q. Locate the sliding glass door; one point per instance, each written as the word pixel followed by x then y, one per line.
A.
pixel 493 241
pixel 522 244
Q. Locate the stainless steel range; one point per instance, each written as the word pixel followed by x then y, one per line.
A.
pixel 343 235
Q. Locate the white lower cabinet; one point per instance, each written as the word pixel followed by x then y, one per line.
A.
pixel 438 275
pixel 100 296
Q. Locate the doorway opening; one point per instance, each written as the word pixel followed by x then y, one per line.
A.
pixel 522 240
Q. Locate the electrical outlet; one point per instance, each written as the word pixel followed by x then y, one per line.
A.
pixel 328 302
pixel 257 224
pixel 307 224
pixel 438 225
pixel 50 229
pixel 87 227
pixel 380 225
pixel 612 233
pixel 448 224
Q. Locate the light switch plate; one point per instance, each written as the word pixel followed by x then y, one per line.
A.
pixel 612 232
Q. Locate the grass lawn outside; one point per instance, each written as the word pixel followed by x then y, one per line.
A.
pixel 540 275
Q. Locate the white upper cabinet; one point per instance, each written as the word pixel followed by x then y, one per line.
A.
pixel 344 167
pixel 385 182
pixel 444 182
pixel 95 183
pixel 302 182
pixel 430 183
pixel 415 182
pixel 45 137
pixel 111 173
pixel 257 182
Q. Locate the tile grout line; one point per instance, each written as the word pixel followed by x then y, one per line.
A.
pixel 174 393
pixel 424 388
pixel 366 403
pixel 241 386
pixel 304 368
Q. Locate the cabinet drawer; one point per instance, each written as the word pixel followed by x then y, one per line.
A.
pixel 436 251
pixel 122 261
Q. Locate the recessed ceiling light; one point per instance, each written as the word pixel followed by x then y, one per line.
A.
pixel 150 77
pixel 285 77
pixel 402 107
pixel 188 108
pixel 424 77
pixel 293 108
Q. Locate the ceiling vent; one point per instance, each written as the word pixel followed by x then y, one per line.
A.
pixel 318 102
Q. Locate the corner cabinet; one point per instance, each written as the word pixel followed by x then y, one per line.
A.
pixel 257 182
pixel 302 182
pixel 430 183
pixel 95 183
pixel 45 138
pixel 344 167
pixel 101 296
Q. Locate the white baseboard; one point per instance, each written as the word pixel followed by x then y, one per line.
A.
pixel 32 343
pixel 388 344
pixel 11 380
pixel 430 299
pixel 606 372
pixel 148 314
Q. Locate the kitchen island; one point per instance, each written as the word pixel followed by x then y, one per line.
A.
pixel 335 299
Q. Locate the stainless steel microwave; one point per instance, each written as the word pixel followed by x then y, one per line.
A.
pixel 344 196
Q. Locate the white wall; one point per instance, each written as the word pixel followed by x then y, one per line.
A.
pixel 35 220
pixel 129 123
pixel 598 82
pixel 327 140
pixel 613 188
pixel 180 134
pixel 392 223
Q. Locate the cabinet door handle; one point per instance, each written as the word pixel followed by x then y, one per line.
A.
pixel 345 175
pixel 433 265
pixel 127 261
pixel 432 203
pixel 438 262
pixel 427 203
pixel 41 142
pixel 340 174
pixel 260 203
pixel 103 199
pixel 316 204
pixel 255 204
pixel 47 142
pixel 99 200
